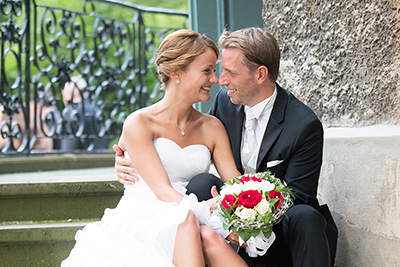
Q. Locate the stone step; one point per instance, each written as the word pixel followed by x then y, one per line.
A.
pixel 37 244
pixel 40 162
pixel 58 195
pixel 40 212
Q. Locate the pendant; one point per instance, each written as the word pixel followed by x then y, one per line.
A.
pixel 183 133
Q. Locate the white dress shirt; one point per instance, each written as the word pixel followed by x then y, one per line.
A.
pixel 262 112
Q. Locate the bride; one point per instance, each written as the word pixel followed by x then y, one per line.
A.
pixel 155 223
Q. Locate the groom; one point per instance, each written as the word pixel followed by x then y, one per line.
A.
pixel 286 138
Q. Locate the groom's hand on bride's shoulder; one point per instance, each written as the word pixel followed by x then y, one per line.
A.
pixel 123 167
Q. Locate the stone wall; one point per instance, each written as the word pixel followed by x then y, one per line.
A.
pixel 342 58
pixel 360 182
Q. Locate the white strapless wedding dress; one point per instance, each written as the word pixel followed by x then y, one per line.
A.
pixel 141 230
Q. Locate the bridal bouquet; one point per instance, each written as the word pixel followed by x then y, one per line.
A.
pixel 251 204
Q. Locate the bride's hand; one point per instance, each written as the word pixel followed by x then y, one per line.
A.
pixel 123 167
pixel 212 202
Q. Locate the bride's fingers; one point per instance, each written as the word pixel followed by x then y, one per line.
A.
pixel 214 192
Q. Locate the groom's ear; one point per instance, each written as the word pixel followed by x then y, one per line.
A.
pixel 262 74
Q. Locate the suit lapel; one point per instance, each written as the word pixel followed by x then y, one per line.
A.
pixel 273 128
pixel 236 118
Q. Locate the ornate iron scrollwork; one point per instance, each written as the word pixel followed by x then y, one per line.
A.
pixel 76 76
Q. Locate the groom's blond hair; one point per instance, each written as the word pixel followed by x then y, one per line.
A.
pixel 260 48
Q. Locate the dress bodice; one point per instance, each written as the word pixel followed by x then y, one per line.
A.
pixel 182 164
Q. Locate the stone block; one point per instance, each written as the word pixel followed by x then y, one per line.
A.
pixel 360 181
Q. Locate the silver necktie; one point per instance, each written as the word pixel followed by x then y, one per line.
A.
pixel 249 145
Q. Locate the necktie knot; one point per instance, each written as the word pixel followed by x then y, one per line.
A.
pixel 250 120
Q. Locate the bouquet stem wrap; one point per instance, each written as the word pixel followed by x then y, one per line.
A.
pixel 259 245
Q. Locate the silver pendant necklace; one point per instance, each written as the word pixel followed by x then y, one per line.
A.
pixel 183 133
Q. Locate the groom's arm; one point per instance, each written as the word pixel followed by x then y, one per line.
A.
pixel 304 166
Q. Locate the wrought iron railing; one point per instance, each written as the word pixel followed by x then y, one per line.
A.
pixel 105 61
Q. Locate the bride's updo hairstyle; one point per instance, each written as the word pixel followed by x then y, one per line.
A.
pixel 179 49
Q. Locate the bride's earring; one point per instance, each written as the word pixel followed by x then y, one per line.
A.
pixel 177 81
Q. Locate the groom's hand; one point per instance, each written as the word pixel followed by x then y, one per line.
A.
pixel 123 167
pixel 234 239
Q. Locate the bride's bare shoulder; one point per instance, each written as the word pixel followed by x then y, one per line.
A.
pixel 143 115
pixel 139 122
pixel 210 120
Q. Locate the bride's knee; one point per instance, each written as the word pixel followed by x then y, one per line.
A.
pixel 209 237
pixel 191 224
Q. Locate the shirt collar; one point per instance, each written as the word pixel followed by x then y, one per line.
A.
pixel 259 108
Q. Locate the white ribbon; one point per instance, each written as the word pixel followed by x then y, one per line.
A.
pixel 258 246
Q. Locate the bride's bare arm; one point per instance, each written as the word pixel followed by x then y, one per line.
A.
pixel 137 139
pixel 222 152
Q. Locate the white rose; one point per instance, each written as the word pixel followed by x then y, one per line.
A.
pixel 232 189
pixel 263 207
pixel 246 214
pixel 266 186
pixel 251 185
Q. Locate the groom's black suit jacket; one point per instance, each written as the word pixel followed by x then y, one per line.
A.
pixel 294 136
pixel 294 139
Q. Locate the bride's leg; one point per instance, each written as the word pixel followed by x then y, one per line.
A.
pixel 217 252
pixel 188 249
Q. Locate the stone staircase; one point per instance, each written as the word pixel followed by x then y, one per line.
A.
pixel 40 212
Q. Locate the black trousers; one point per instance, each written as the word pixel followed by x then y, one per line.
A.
pixel 307 237
pixel 201 185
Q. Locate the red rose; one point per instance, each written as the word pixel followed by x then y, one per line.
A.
pixel 249 198
pixel 246 179
pixel 274 194
pixel 229 200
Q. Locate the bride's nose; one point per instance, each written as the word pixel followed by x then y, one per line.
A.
pixel 214 79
